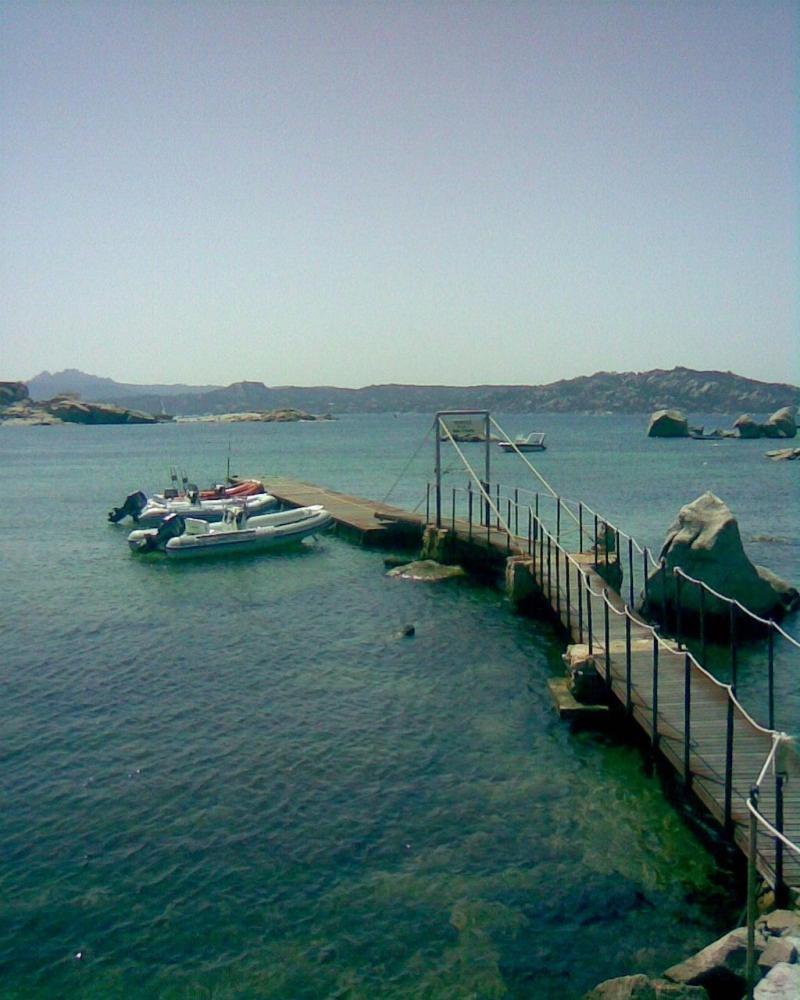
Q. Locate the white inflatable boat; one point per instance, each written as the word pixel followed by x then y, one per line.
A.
pixel 188 537
pixel 204 510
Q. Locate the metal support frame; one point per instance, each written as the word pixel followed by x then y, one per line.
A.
pixel 437 424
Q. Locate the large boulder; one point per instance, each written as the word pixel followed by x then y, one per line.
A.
pixel 75 411
pixel 668 424
pixel 12 392
pixel 705 543
pixel 784 422
pixel 781 983
pixel 747 427
pixel 720 967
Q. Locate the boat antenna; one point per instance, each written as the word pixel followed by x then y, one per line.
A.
pixel 228 474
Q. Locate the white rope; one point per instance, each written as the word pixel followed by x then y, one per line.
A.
pixel 732 600
pixel 406 467
pixel 478 483
pixel 530 465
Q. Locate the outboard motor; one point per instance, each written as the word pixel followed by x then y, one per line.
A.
pixel 193 493
pixel 172 526
pixel 134 504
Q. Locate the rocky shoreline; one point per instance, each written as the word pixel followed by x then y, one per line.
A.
pixel 673 424
pixel 18 409
pixel 719 971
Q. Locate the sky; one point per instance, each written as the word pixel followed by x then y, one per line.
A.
pixel 357 193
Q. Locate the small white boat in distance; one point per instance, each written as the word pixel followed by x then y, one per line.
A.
pixel 533 442
pixel 183 538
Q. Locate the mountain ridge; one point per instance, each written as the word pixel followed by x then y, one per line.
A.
pixel 705 391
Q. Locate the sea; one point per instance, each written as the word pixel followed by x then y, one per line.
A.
pixel 238 779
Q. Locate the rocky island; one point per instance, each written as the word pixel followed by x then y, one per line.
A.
pixel 17 408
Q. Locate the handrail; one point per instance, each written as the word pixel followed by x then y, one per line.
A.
pixel 757 819
pixel 566 503
pixel 771 623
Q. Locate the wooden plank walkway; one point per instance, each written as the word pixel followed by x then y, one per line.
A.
pixel 367 521
pixel 660 710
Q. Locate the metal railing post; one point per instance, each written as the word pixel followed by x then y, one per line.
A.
pixel 558 579
pixel 630 573
pixel 596 557
pixel 771 677
pixel 530 530
pixel 427 503
pixel 516 512
pixel 589 615
pixel 508 526
pixel 569 598
pixel 729 767
pixel 655 694
pixel 606 639
pixel 752 894
pixel 549 588
pixel 497 506
pixel 558 520
pixel 781 893
pixel 453 512
pixel 628 665
pixel 645 585
pixel 678 621
pixel 580 527
pixel 734 658
pixel 687 721
pixel 469 507
pixel 703 656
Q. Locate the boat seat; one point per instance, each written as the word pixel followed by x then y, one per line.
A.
pixel 194 526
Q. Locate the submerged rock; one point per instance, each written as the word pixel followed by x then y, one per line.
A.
pixel 705 543
pixel 427 570
pixel 668 423
pixel 784 454
pixel 641 987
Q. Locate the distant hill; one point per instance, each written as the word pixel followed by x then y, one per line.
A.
pixel 93 388
pixel 604 392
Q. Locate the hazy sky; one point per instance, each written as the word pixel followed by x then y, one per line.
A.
pixel 349 193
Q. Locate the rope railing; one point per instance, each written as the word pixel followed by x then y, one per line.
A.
pixel 607 539
pixel 759 822
pixel 557 568
pixel 548 553
pixel 735 707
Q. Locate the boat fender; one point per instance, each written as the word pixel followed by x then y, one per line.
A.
pixel 134 504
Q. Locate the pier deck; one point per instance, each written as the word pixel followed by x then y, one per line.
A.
pixel 367 521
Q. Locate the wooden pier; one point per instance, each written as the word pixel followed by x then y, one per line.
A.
pixel 690 720
pixel 368 522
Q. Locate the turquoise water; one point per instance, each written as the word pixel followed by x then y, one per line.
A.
pixel 235 780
